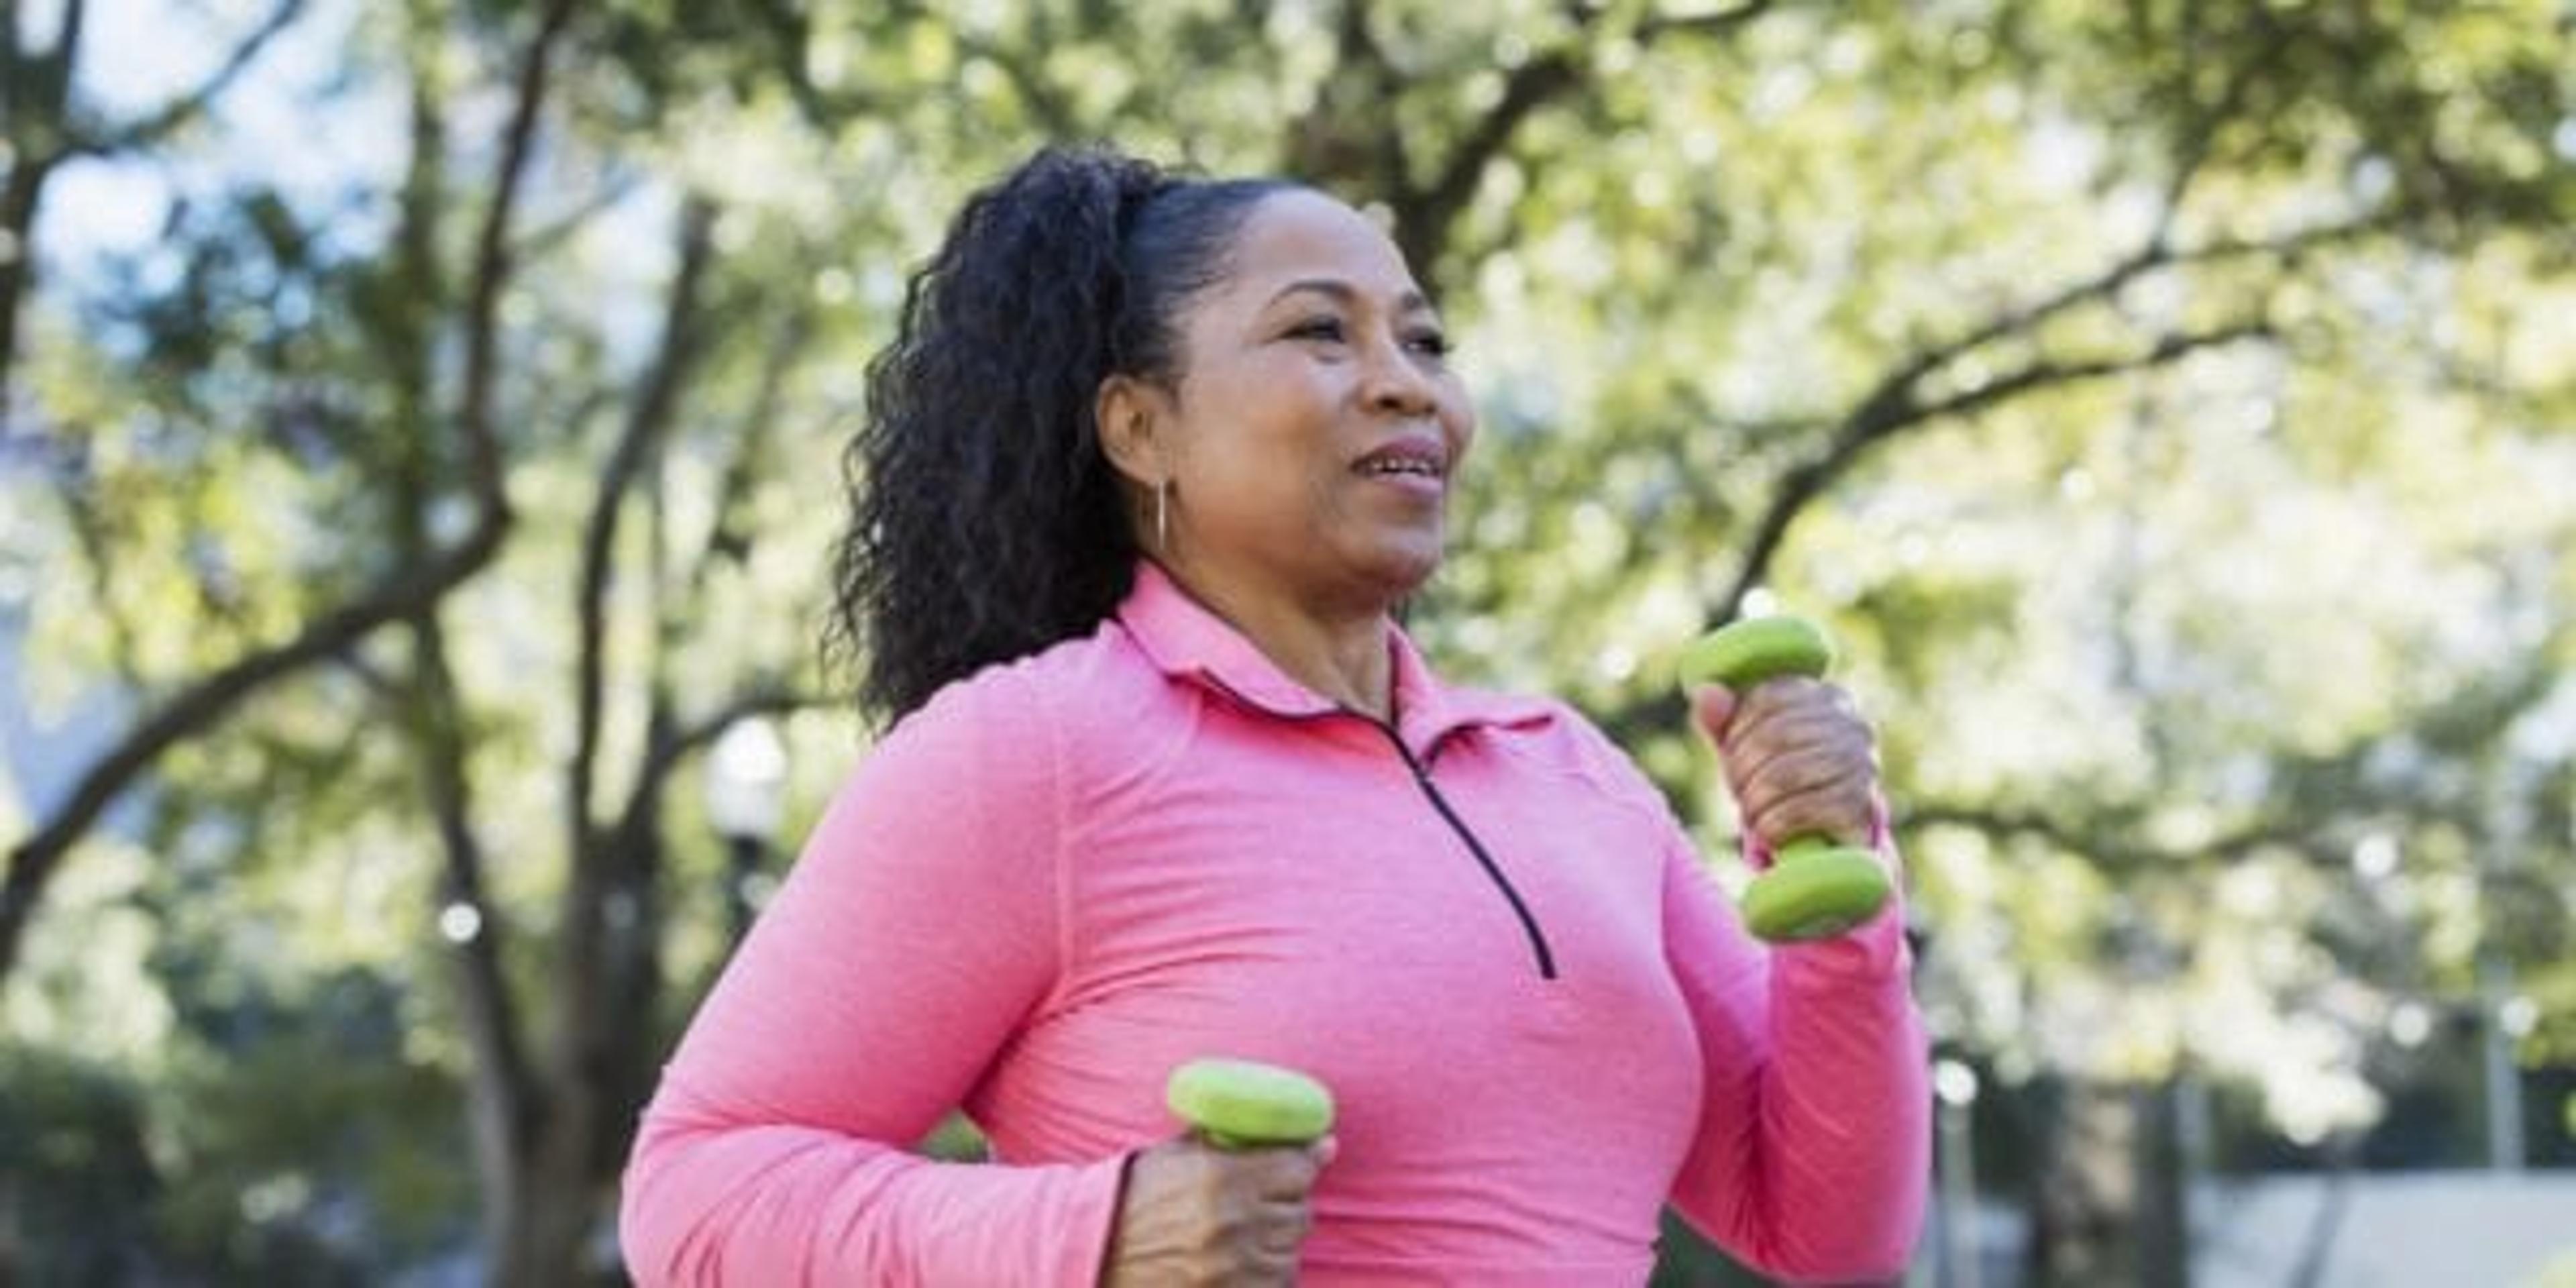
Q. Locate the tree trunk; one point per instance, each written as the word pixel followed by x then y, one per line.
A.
pixel 2161 1233
pixel 566 1160
pixel 2083 1188
pixel 543 1241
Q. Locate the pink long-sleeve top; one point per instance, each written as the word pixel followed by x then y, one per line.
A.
pixel 1479 925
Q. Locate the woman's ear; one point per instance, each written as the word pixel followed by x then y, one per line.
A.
pixel 1125 411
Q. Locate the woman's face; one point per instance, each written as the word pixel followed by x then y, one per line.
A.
pixel 1316 429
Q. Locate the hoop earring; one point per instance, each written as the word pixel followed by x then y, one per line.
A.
pixel 1163 517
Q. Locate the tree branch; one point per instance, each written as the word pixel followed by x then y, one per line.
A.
pixel 179 111
pixel 506 1097
pixel 1656 26
pixel 35 95
pixel 1428 213
pixel 1896 403
pixel 37 92
pixel 192 712
pixel 2108 841
pixel 493 262
pixel 20 198
pixel 608 943
pixel 198 708
pixel 790 30
pixel 2199 131
pixel 1806 483
pixel 688 740
pixel 726 538
pixel 1425 217
pixel 1892 410
pixel 655 404
pixel 539 242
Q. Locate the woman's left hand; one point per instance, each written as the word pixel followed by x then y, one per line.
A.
pixel 1798 758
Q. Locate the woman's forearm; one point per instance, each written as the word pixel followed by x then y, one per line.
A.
pixel 1814 1148
pixel 710 1203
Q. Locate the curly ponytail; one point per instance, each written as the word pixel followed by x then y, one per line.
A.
pixel 986 522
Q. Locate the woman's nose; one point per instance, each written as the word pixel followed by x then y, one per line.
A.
pixel 1396 382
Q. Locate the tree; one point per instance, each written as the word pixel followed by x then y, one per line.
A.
pixel 2133 388
pixel 42 129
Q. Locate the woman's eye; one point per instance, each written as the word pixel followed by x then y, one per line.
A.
pixel 1429 343
pixel 1317 329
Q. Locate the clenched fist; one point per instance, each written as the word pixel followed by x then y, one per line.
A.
pixel 1798 758
pixel 1195 1215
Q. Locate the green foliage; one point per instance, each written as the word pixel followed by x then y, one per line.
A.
pixel 2160 402
pixel 73 1166
pixel 355 1163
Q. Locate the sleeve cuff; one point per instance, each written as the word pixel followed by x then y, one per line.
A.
pixel 1103 1189
pixel 1875 949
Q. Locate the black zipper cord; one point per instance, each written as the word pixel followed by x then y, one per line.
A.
pixel 1520 908
pixel 1422 778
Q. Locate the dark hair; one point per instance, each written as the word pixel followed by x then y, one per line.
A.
pixel 986 523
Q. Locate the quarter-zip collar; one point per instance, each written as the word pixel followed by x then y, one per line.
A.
pixel 1188 641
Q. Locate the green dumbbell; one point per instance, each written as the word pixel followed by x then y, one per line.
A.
pixel 1241 1104
pixel 1815 887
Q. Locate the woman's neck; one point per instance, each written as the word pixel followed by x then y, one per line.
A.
pixel 1338 651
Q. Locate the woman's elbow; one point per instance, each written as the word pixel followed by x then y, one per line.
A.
pixel 652 1233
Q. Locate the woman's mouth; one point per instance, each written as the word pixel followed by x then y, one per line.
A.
pixel 1416 467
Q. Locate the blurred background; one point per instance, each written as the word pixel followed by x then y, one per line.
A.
pixel 421 440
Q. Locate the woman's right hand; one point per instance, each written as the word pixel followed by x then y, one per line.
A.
pixel 1192 1214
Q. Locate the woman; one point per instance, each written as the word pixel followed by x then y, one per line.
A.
pixel 1145 474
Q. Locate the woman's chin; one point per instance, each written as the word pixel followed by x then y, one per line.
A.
pixel 1401 567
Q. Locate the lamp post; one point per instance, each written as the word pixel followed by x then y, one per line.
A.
pixel 1954 1086
pixel 2504 1019
pixel 746 786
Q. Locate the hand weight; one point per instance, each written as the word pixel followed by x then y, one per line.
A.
pixel 1815 887
pixel 1243 1104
